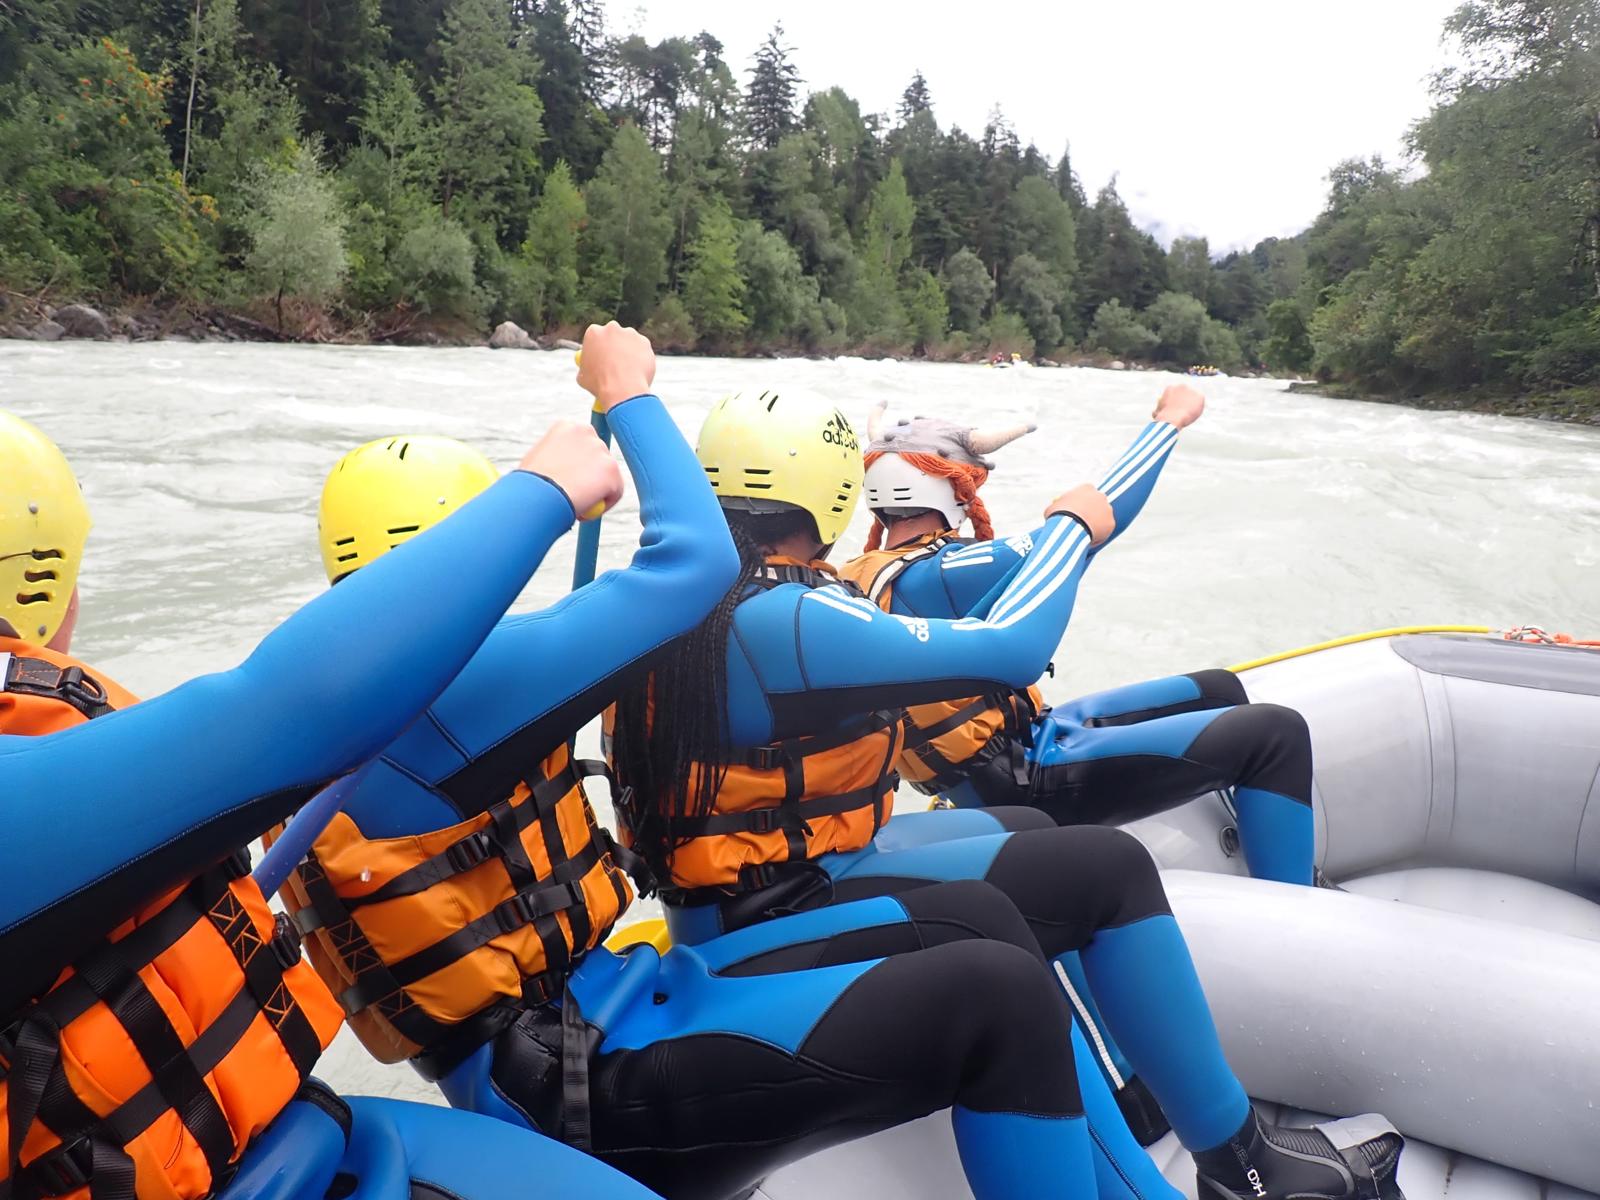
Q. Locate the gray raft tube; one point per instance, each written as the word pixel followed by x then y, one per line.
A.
pixel 1443 751
pixel 1458 790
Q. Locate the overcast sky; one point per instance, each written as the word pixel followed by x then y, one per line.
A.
pixel 1219 117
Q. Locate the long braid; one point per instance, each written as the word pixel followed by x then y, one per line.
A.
pixel 669 743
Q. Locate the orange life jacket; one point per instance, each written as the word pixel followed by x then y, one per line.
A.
pixel 202 982
pixel 44 692
pixel 434 942
pixel 948 740
pixel 785 802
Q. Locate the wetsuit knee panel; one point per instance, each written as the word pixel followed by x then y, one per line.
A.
pixel 1266 746
pixel 985 1019
pixel 1221 686
pixel 968 908
pixel 1077 879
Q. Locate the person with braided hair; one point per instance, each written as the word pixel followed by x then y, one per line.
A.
pixel 758 767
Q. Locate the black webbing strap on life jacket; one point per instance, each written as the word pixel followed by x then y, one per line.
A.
pixel 535 902
pixel 70 685
pixel 792 815
pixel 92 1150
pixel 1017 711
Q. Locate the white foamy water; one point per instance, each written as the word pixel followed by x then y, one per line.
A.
pixel 1280 520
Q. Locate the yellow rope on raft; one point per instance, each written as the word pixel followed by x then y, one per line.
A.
pixel 1375 635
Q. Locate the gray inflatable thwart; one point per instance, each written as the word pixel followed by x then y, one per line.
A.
pixel 1451 987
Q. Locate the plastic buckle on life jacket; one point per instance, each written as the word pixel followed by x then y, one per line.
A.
pixel 471 851
pixel 62 1170
pixel 766 758
pixel 285 941
pixel 85 689
pixel 523 908
pixel 764 820
pixel 237 864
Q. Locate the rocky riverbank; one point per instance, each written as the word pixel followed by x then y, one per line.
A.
pixel 1577 406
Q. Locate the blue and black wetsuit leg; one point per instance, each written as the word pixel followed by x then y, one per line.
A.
pixel 1095 892
pixel 1117 756
pixel 718 1063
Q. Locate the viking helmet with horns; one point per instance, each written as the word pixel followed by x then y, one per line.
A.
pixel 929 463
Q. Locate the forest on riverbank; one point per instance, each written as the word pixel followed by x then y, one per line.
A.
pixel 385 168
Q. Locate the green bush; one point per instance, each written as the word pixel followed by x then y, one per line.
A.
pixel 1119 331
pixel 670 327
pixel 433 266
pixel 1568 353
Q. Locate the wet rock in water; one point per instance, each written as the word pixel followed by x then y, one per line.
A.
pixel 81 321
pixel 564 344
pixel 508 335
pixel 47 331
pixel 1119 365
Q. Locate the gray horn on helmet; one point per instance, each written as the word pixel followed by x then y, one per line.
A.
pixel 875 421
pixel 986 441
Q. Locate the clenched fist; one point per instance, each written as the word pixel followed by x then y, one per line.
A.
pixel 575 460
pixel 1180 405
pixel 615 364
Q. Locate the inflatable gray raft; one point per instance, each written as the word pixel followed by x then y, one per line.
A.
pixel 1450 986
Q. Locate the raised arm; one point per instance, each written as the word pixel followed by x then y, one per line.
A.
pixel 540 676
pixel 104 817
pixel 1134 477
pixel 817 655
pixel 961 580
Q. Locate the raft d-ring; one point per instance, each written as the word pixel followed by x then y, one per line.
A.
pixel 1228 838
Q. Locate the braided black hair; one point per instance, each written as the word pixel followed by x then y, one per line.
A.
pixel 669 742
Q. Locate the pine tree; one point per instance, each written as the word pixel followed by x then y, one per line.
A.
pixel 915 99
pixel 551 249
pixel 576 130
pixel 629 229
pixel 587 25
pixel 324 50
pixel 490 122
pixel 713 289
pixel 774 84
pixel 1068 183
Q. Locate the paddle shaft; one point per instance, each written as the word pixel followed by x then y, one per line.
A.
pixel 583 566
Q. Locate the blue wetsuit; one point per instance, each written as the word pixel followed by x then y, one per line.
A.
pixel 712 1065
pixel 1116 756
pixel 106 816
pixel 1119 755
pixel 801 660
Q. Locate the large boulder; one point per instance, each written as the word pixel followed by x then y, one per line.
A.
pixel 564 344
pixel 508 335
pixel 81 321
pixel 47 331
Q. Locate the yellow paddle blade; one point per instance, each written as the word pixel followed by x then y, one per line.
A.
pixel 652 931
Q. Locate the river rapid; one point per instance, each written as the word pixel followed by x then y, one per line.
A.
pixel 1280 520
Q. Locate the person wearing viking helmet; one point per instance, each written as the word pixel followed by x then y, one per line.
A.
pixel 1103 759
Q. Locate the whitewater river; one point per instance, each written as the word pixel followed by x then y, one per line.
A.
pixel 1280 520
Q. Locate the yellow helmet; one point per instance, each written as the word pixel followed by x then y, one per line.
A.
pixel 387 491
pixel 783 449
pixel 44 523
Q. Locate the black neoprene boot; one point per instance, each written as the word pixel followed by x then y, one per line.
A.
pixel 1353 1159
